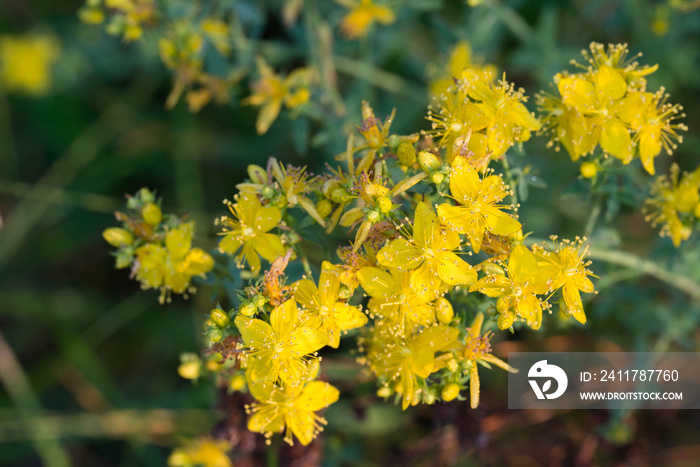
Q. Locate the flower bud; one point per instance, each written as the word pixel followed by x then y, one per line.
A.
pixel 116 236
pixel 213 366
pixel 406 154
pixel 444 311
pixel 151 214
pixel 428 398
pixel 214 335
pixel 373 216
pixel 237 383
pixel 437 177
pixel 324 208
pixel 428 161
pixel 190 370
pixel 247 309
pixel 259 300
pixel 339 195
pixel 384 392
pixel 589 169
pixel 219 317
pixel 267 192
pixel 384 204
pixel 280 201
pixel 393 141
pixel 344 292
pixel 146 196
pixel 450 392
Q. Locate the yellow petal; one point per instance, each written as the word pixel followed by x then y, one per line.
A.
pixel 400 253
pixel 453 270
pixel 256 333
pixel 317 395
pixel 267 218
pixel 616 140
pixel 376 282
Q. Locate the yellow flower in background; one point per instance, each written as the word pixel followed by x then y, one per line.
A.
pixel 394 300
pixel 281 348
pixel 362 15
pixel 171 267
pixel 25 63
pixel 218 33
pixel 571 275
pixel 293 408
pixel 461 57
pixel 429 254
pixel 518 289
pixel 202 452
pixel 273 90
pixel 477 350
pixel 248 231
pixel 404 359
pixel 324 309
pixel 672 198
pixel 478 209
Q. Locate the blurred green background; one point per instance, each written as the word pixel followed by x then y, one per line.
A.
pixel 88 360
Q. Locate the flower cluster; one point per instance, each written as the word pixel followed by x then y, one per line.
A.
pixel 607 105
pixel 157 248
pixel 675 203
pixel 127 18
pixel 481 116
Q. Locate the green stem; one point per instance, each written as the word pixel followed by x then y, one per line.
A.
pixel 379 78
pixel 593 218
pixel 22 394
pixel 302 257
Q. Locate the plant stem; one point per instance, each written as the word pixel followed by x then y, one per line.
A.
pixel 593 218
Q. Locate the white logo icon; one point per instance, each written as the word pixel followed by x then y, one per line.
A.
pixel 543 370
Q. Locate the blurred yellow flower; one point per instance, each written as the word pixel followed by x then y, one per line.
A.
pixel 202 452
pixel 362 15
pixel 25 63
pixel 461 57
pixel 272 90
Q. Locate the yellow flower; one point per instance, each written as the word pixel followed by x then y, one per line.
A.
pixel 291 407
pixel 477 350
pixel 652 120
pixel 362 15
pixel 202 452
pixel 281 348
pixel 517 291
pixel 218 33
pixel 671 197
pixel 478 210
pixel 570 275
pixel 25 63
pixel 394 300
pixel 248 231
pixel 460 58
pixel 429 253
pixel 404 359
pixel 271 91
pixel 325 310
pixel 171 267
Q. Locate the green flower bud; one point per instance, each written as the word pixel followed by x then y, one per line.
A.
pixel 344 292
pixel 247 309
pixel 151 214
pixel 428 161
pixel 437 177
pixel 450 392
pixel 219 317
pixel 373 216
pixel 259 300
pixel 406 154
pixel 324 208
pixel 118 237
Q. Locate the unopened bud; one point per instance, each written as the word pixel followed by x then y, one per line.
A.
pixel 428 161
pixel 437 177
pixel 151 214
pixel 247 309
pixel 116 236
pixel 384 204
pixel 450 392
pixel 324 208
pixel 444 311
pixel 589 169
pixel 406 154
pixel 219 317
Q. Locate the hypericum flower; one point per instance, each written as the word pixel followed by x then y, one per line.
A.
pixel 272 90
pixel 128 16
pixel 517 291
pixel 429 253
pixel 487 116
pixel 362 15
pixel 477 349
pixel 404 359
pixel 25 63
pixel 671 197
pixel 615 56
pixel 281 348
pixel 460 58
pixel 248 231
pixel 293 408
pixel 329 314
pixel 571 275
pixel 204 452
pixel 171 267
pixel 478 208
pixel 393 299
pixel 651 118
